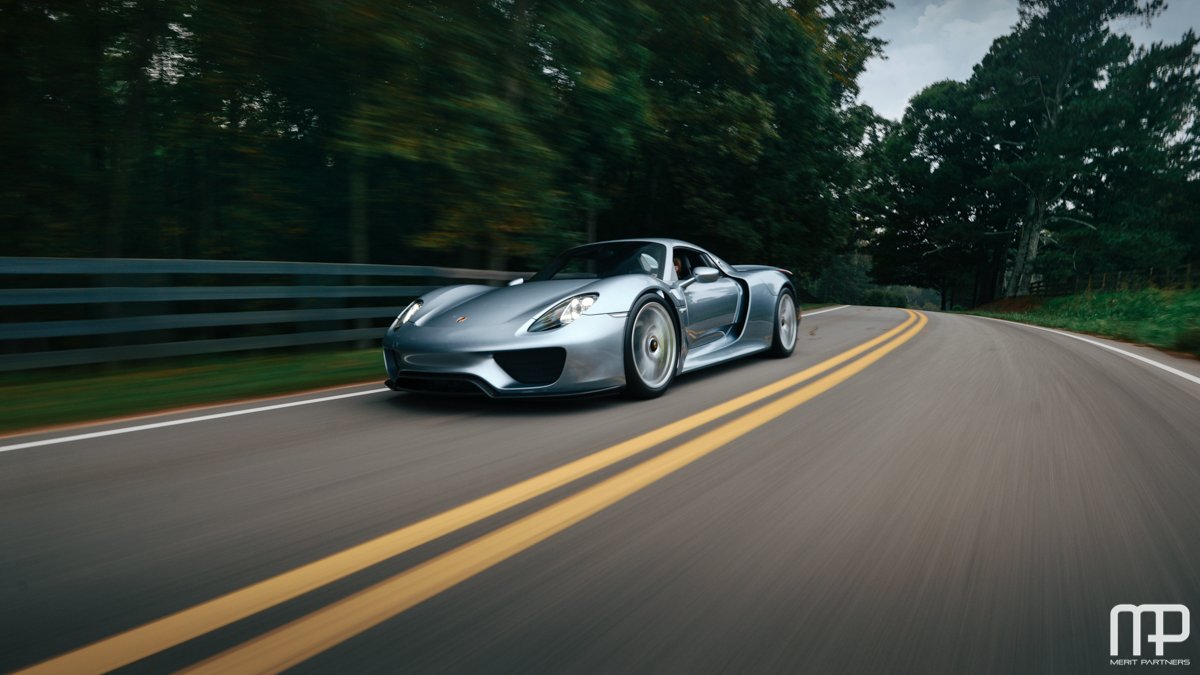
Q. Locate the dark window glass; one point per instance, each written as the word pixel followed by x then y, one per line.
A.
pixel 598 261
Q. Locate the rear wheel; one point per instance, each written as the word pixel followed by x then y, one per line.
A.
pixel 783 339
pixel 651 348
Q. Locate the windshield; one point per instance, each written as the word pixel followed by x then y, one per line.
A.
pixel 598 261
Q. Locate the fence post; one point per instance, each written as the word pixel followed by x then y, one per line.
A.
pixel 1104 281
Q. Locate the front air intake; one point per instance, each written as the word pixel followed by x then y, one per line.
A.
pixel 533 366
pixel 435 384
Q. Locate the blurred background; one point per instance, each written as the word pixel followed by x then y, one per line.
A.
pixel 465 133
pixel 492 133
pixel 489 134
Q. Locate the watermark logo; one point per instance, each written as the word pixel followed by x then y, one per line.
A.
pixel 1159 637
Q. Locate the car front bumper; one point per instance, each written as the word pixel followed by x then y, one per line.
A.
pixel 583 357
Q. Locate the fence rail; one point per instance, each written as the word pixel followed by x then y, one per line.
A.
pixel 1177 277
pixel 79 311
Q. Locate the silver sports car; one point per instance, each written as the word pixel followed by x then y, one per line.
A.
pixel 618 315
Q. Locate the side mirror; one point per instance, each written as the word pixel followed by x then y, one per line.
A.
pixel 517 282
pixel 706 274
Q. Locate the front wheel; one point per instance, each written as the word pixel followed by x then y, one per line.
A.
pixel 783 338
pixel 651 348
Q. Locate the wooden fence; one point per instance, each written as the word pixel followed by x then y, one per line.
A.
pixel 1179 277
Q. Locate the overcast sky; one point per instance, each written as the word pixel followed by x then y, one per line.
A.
pixel 932 40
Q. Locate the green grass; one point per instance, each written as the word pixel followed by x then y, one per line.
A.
pixel 85 393
pixel 1165 319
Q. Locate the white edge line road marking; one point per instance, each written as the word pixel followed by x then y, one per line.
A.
pixel 177 411
pixel 821 311
pixel 186 420
pixel 1122 352
pixel 232 413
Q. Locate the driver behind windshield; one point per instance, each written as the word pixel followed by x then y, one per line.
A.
pixel 599 261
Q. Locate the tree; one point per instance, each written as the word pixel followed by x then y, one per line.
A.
pixel 946 222
pixel 464 132
pixel 599 77
pixel 1066 141
pixel 1041 90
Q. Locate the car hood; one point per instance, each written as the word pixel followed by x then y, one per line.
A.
pixel 504 304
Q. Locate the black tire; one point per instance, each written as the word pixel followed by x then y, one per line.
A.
pixel 651 348
pixel 784 335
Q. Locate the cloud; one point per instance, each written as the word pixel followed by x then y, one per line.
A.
pixel 943 39
pixel 933 40
pixel 1167 27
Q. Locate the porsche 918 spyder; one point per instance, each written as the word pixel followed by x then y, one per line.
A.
pixel 618 315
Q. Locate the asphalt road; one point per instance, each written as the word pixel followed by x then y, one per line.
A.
pixel 962 495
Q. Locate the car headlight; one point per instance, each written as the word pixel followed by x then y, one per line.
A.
pixel 563 313
pixel 406 315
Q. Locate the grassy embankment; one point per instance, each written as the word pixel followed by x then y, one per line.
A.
pixel 1164 319
pixel 86 393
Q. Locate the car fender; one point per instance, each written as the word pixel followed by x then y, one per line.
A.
pixel 617 294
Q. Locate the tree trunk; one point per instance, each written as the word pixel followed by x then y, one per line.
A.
pixel 1030 253
pixel 497 258
pixel 591 207
pixel 359 206
pixel 356 167
pixel 1031 229
pixel 496 254
pixel 654 168
pixel 127 146
pixel 97 176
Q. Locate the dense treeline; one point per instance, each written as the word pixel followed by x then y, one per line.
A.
pixel 1068 151
pixel 466 132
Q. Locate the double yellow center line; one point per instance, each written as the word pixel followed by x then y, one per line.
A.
pixel 307 636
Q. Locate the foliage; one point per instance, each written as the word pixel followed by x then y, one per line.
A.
pixel 1067 151
pixel 844 279
pixel 1168 319
pixel 461 132
pixel 945 220
pixel 884 297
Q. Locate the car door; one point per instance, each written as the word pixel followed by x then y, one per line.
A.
pixel 712 306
